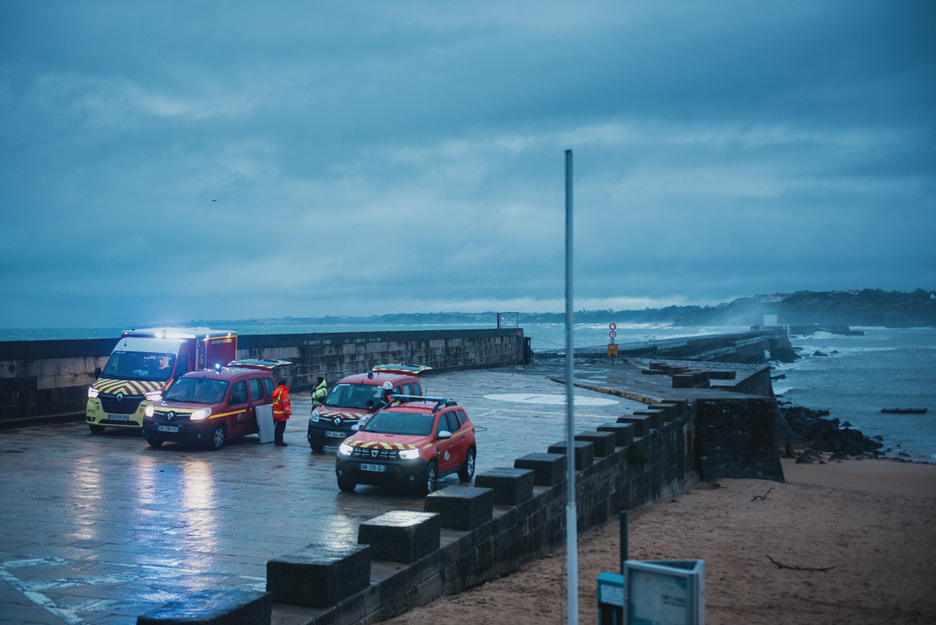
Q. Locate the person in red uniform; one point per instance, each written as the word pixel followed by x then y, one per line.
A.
pixel 281 412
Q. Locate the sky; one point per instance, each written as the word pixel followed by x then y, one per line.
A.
pixel 164 161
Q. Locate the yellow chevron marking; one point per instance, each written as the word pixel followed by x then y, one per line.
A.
pixel 130 387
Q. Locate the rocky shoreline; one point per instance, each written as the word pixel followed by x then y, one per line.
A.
pixel 813 433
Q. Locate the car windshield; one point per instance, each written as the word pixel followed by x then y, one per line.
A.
pixel 139 366
pixel 354 396
pixel 197 391
pixel 389 422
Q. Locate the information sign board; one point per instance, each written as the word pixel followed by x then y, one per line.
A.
pixel 664 592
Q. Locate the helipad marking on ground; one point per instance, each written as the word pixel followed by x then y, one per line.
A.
pixel 552 400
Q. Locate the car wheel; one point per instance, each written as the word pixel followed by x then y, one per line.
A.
pixel 218 436
pixel 429 481
pixel 154 442
pixel 467 471
pixel 317 448
pixel 346 485
pixel 96 429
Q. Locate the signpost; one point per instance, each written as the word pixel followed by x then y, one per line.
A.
pixel 612 346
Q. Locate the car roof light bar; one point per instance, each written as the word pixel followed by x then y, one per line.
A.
pixel 439 401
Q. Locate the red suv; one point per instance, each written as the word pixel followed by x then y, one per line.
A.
pixel 356 397
pixel 412 442
pixel 212 405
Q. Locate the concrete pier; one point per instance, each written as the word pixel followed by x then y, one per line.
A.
pixel 101 529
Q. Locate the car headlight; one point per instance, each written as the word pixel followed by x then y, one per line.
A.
pixel 200 415
pixel 149 411
pixel 93 392
pixel 345 449
pixel 314 417
pixel 409 454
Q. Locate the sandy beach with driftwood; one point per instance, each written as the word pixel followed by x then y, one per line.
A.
pixel 850 542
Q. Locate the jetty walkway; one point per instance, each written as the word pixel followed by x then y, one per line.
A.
pixel 101 529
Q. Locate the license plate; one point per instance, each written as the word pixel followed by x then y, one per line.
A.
pixel 167 428
pixel 118 417
pixel 333 434
pixel 376 468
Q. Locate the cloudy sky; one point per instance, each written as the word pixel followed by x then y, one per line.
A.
pixel 164 161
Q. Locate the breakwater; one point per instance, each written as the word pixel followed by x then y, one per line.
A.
pixel 468 535
pixel 43 381
pixel 753 347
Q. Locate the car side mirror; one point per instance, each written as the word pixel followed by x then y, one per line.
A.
pixel 444 434
pixel 97 372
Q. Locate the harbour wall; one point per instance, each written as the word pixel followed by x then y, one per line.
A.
pixel 660 454
pixel 44 381
pixel 661 463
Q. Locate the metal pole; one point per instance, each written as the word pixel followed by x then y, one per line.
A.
pixel 571 522
pixel 624 545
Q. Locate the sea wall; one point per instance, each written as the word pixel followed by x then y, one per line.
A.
pixel 48 380
pixel 756 346
pixel 661 463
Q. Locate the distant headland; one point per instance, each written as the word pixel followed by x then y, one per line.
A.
pixel 867 307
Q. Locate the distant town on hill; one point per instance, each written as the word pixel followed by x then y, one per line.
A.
pixel 868 307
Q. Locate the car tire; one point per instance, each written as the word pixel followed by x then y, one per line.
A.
pixel 218 436
pixel 466 473
pixel 154 442
pixel 96 429
pixel 428 484
pixel 346 485
pixel 317 448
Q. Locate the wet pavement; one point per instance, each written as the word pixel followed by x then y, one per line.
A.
pixel 98 529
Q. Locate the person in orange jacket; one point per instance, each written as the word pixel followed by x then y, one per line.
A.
pixel 281 412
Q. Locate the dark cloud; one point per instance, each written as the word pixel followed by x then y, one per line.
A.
pixel 168 160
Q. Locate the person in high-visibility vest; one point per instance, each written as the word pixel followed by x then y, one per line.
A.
pixel 281 412
pixel 318 395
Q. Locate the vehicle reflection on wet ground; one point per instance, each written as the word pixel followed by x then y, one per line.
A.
pixel 102 528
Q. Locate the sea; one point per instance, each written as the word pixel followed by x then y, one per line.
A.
pixel 853 377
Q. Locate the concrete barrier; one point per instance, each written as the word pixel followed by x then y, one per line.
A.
pixel 213 607
pixel 401 535
pixel 462 507
pixel 510 486
pixel 319 575
pixel 42 381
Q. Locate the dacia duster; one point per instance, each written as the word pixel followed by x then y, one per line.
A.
pixel 356 397
pixel 413 442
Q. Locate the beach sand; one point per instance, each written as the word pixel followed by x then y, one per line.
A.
pixel 870 523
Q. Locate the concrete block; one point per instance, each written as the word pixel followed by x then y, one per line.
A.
pixel 462 507
pixel 214 607
pixel 670 411
pixel 548 469
pixel 623 432
pixel 583 452
pixel 684 380
pixel 640 423
pixel 722 375
pixel 603 442
pixel 655 417
pixel 510 486
pixel 402 535
pixel 319 575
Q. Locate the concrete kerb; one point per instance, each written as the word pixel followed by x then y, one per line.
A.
pixel 644 399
